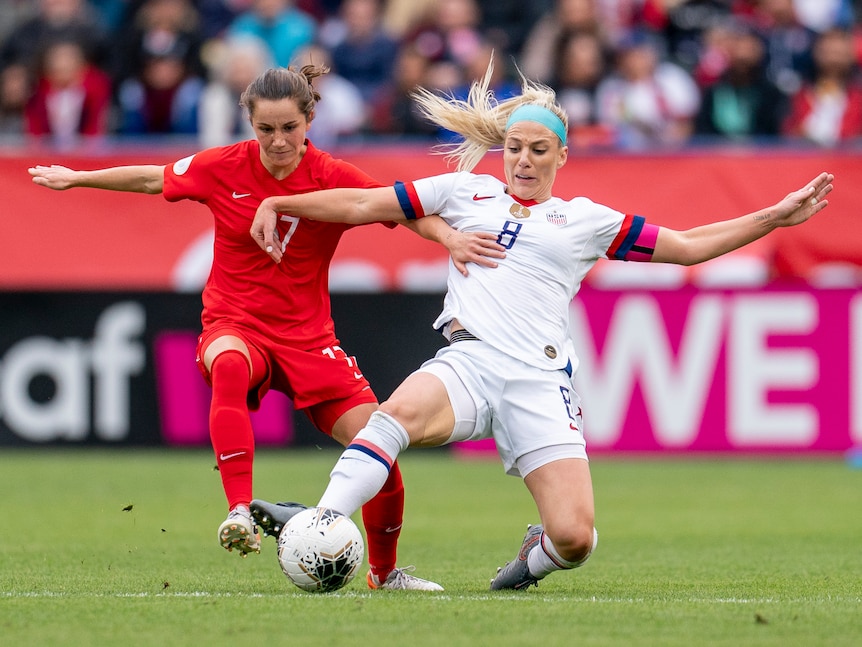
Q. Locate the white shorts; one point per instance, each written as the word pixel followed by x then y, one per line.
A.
pixel 533 414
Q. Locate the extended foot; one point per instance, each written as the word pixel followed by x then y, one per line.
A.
pixel 516 574
pixel 271 517
pixel 400 579
pixel 238 532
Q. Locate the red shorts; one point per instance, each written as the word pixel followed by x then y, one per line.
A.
pixel 324 382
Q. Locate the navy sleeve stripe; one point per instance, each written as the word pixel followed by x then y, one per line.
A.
pixel 631 237
pixel 404 201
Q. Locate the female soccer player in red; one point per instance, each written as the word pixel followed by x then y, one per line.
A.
pixel 268 326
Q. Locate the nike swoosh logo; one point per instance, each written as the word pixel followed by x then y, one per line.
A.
pixel 391 529
pixel 226 457
pixel 476 196
pixel 237 196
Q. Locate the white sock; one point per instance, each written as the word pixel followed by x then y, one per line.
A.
pixel 545 558
pixel 364 465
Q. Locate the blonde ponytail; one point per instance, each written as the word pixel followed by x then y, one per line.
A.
pixel 481 119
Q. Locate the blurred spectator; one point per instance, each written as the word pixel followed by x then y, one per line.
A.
pixel 14 90
pixel 15 75
pixel 715 44
pixel 163 99
pixel 580 69
pixel 14 13
pixel 822 15
pixel 217 15
pixel 366 54
pixel 685 24
pixel 113 14
pixel 72 98
pixel 394 112
pixel 341 112
pixel 829 109
pixel 451 33
pixel 56 20
pixel 543 47
pixel 743 103
pixel 620 17
pixel 444 77
pixel 788 44
pixel 283 27
pixel 474 68
pixel 400 17
pixel 506 23
pixel 647 101
pixel 455 80
pixel 234 64
pixel 159 27
pixel 320 10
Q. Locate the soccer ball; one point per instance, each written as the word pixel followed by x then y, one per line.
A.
pixel 320 550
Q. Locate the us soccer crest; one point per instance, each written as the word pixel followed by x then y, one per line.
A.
pixel 556 218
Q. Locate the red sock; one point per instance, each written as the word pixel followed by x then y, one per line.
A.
pixel 230 426
pixel 382 517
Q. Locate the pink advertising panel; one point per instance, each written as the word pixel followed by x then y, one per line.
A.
pixel 767 370
pixel 184 398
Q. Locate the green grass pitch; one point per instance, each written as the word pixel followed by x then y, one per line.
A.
pixel 119 548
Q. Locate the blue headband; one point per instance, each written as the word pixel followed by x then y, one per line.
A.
pixel 532 112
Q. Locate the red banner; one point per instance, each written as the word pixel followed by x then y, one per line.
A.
pixel 87 239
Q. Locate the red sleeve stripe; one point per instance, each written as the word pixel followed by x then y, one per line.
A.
pixel 409 200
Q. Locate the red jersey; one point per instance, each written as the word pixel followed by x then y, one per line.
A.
pixel 287 302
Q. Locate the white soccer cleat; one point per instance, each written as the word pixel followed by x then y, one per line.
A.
pixel 239 532
pixel 400 580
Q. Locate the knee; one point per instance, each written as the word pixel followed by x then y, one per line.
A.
pixel 574 542
pixel 230 367
pixel 229 382
pixel 405 412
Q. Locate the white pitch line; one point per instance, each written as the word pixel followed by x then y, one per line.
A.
pixel 442 598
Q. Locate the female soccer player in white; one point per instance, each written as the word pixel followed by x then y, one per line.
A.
pixel 506 372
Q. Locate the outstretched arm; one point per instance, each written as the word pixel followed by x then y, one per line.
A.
pixel 480 247
pixel 353 206
pixel 138 179
pixel 709 241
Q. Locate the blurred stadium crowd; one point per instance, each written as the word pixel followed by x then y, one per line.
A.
pixel 632 74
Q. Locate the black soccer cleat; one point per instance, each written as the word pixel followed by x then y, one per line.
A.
pixel 271 517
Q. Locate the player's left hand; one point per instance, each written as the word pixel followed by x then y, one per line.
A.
pixel 480 248
pixel 263 230
pixel 800 205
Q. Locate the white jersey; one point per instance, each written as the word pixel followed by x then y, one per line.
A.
pixel 520 307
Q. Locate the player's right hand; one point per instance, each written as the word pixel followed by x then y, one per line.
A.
pixel 263 230
pixel 54 177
